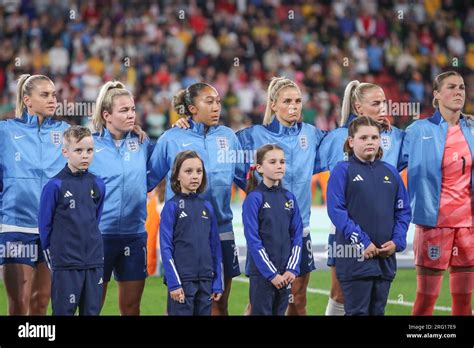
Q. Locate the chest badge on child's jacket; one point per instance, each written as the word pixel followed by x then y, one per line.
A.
pixel 289 205
pixel 386 180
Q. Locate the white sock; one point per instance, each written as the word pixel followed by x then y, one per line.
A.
pixel 335 308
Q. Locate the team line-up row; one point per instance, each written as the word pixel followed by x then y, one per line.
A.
pixel 81 198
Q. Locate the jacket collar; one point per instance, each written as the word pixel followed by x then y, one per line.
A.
pixel 354 159
pixel 77 174
pixel 264 187
pixel 349 120
pixel 438 119
pixel 105 134
pixel 33 121
pixel 276 127
pixel 200 128
pixel 191 195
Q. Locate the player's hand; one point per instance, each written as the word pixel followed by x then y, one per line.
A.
pixel 469 117
pixel 279 282
pixel 289 277
pixel 177 295
pixel 371 251
pixel 142 136
pixel 387 249
pixel 216 296
pixel 181 123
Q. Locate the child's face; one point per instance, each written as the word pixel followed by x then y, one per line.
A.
pixel 190 175
pixel 79 154
pixel 273 165
pixel 366 142
pixel 123 115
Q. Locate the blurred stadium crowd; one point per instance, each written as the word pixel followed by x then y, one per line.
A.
pixel 158 47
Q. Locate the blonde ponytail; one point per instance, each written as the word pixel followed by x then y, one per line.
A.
pixel 347 107
pixel 274 88
pixel 25 85
pixel 104 101
pixel 354 92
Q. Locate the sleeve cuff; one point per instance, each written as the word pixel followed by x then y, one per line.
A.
pixel 366 242
pixel 293 271
pixel 272 276
pixel 174 288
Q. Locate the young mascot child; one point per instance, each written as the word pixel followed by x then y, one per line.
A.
pixel 189 239
pixel 274 232
pixel 69 215
pixel 368 204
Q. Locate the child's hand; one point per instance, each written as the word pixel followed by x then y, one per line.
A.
pixel 371 251
pixel 289 277
pixel 279 281
pixel 387 249
pixel 177 295
pixel 216 296
pixel 181 123
pixel 142 136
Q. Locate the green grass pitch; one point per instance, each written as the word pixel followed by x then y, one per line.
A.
pixel 154 297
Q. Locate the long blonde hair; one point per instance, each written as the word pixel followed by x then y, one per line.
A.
pixel 105 101
pixel 274 88
pixel 354 92
pixel 25 85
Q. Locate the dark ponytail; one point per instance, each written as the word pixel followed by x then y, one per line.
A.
pixel 185 97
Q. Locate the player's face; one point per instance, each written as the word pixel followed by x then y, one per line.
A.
pixel 365 143
pixel 373 105
pixel 190 175
pixel 273 166
pixel 122 117
pixel 207 107
pixel 42 101
pixel 79 154
pixel 288 106
pixel 452 93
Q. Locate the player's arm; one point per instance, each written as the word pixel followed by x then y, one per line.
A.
pixel 157 165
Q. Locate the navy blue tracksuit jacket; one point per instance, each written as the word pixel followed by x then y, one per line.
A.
pixel 189 242
pixel 368 203
pixel 70 210
pixel 274 231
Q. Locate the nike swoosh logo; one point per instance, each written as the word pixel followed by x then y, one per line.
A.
pixel 19 136
pixel 426 138
pixel 184 145
pixel 99 150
